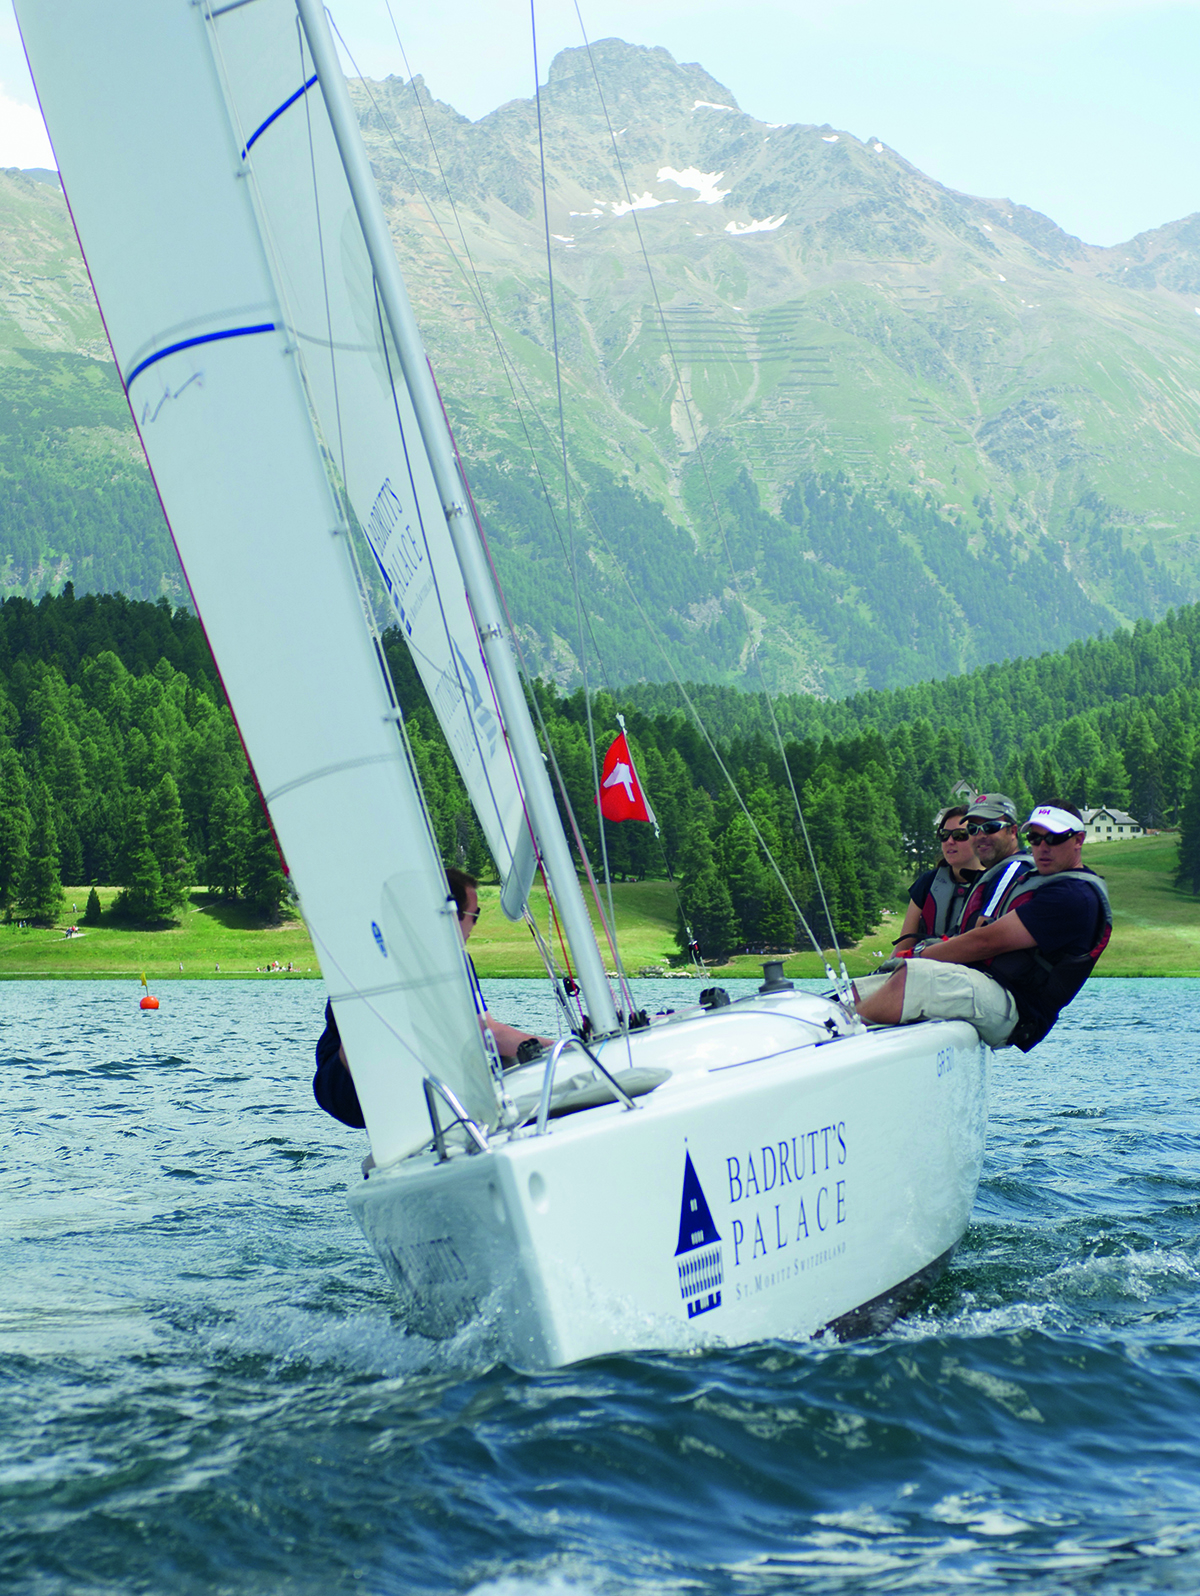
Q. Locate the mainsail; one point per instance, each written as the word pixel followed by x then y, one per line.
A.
pixel 159 136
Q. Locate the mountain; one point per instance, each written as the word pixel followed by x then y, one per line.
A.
pixel 937 430
pixel 76 501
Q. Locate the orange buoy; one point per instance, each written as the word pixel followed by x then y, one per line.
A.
pixel 149 1002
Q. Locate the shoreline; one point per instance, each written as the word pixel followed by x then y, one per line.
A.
pixel 752 972
pixel 1156 933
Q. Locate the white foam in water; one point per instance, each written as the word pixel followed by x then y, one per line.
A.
pixel 1134 1275
pixel 825 1555
pixel 865 1519
pixel 535 1585
pixel 977 1515
pixel 971 1322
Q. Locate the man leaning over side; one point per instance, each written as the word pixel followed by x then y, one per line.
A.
pixel 1022 962
pixel 333 1084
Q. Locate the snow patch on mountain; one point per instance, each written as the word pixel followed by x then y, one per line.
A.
pixel 647 202
pixel 705 183
pixel 770 225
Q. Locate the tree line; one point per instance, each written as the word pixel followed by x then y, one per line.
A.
pixel 120 764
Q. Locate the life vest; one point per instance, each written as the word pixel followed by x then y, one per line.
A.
pixel 982 906
pixel 1052 982
pixel 944 903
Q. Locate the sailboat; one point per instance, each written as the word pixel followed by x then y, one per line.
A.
pixel 728 1173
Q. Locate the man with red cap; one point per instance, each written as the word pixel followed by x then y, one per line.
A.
pixel 1013 972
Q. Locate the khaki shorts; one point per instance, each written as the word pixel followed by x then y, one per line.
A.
pixel 937 991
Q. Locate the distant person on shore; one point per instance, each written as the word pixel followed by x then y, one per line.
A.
pixel 333 1085
pixel 1015 971
pixel 937 897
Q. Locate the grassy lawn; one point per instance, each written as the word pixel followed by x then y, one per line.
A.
pixel 1156 925
pixel 209 933
pixel 1156 932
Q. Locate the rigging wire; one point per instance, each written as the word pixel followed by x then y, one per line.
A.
pixel 454 657
pixel 470 274
pixel 571 544
pixel 717 516
pixel 515 381
pixel 566 484
pixel 518 389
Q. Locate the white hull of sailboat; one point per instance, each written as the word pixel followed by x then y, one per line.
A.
pixel 819 1179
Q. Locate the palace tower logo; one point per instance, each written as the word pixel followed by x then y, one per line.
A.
pixel 699 1251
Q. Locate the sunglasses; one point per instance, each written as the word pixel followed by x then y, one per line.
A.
pixel 959 834
pixel 1052 839
pixel 470 914
pixel 988 827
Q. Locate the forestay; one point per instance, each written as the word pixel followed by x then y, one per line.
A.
pixel 209 343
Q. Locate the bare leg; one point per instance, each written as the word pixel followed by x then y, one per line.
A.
pixel 885 1006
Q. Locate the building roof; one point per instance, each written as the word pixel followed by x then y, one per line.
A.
pixel 1117 816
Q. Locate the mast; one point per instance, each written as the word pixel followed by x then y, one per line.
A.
pixel 551 842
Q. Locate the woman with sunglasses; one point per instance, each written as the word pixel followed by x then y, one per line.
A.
pixel 937 897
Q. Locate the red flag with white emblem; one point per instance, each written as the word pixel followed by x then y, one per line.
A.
pixel 620 792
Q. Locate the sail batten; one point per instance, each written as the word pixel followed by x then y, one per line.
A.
pixel 194 343
pixel 277 112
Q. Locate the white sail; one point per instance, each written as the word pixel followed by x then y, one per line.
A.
pixel 154 170
pixel 353 375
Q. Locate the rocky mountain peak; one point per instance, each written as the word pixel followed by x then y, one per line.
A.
pixel 937 428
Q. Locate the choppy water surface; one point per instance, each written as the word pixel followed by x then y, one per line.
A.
pixel 202 1388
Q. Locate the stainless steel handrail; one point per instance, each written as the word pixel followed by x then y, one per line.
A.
pixel 556 1053
pixel 434 1087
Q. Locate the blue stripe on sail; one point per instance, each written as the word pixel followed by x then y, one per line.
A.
pixel 262 128
pixel 190 343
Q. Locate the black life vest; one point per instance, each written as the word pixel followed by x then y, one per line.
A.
pixel 1053 982
pixel 944 902
pixel 982 906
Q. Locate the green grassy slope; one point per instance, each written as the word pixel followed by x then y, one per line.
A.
pixel 1156 932
pixel 1156 925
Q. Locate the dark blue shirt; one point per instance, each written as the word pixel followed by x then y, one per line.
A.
pixel 1065 919
pixel 333 1086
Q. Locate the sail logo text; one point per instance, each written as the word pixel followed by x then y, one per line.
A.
pixel 816 1205
pixel 399 553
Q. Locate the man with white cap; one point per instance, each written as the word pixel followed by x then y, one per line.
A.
pixel 1011 976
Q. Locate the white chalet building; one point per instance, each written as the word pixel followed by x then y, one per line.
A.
pixel 1110 825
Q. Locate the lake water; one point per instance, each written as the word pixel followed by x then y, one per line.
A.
pixel 203 1390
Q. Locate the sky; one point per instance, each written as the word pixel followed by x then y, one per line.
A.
pixel 1086 110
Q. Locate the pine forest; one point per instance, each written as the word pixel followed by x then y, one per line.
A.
pixel 121 764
